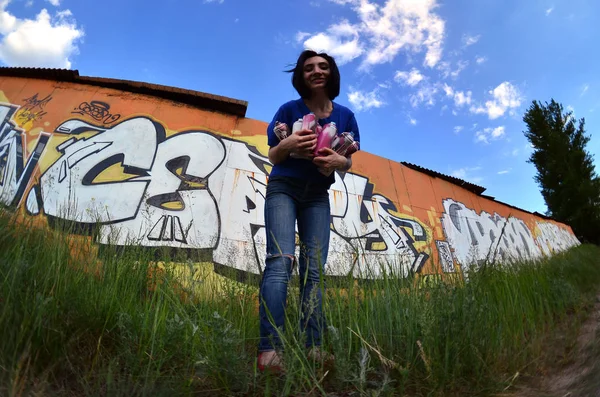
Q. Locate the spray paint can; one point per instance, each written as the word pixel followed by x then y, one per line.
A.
pixel 326 137
pixel 309 122
pixel 281 130
pixel 297 126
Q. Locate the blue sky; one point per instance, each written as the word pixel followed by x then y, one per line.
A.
pixel 442 84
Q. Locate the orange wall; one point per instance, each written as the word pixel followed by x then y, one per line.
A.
pixel 153 172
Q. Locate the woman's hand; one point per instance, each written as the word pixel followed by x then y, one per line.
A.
pixel 328 160
pixel 302 143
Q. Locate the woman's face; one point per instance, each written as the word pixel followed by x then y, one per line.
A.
pixel 316 73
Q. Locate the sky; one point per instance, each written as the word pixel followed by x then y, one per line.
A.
pixel 440 84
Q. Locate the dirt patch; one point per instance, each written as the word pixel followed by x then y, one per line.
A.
pixel 576 374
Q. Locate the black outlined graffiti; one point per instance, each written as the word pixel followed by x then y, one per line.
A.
pixel 33 108
pixel 99 111
pixel 211 197
pixel 15 168
pixel 446 260
pixel 363 222
pixel 479 237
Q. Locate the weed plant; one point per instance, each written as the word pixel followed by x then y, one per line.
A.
pixel 129 322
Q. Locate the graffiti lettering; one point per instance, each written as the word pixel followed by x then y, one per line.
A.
pixel 177 209
pixel 477 238
pixel 379 239
pixel 209 198
pixel 553 239
pixel 15 172
pixel 446 260
pixel 99 111
pixel 73 187
pixel 33 109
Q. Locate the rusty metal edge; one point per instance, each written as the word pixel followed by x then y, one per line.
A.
pixel 478 190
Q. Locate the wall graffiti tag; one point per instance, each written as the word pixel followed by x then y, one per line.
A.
pixel 15 168
pixel 33 108
pixel 99 111
pixel 476 238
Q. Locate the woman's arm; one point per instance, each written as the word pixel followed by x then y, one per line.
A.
pixel 302 142
pixel 278 154
pixel 348 164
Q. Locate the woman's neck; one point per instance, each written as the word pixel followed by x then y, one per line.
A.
pixel 319 104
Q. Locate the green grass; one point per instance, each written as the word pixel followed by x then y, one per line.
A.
pixel 64 331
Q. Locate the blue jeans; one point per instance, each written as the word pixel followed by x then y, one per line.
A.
pixel 289 200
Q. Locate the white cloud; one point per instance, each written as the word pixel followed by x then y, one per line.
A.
pixel 301 36
pixel 488 134
pixel 585 88
pixel 383 30
pixel 340 41
pixel 515 152
pixel 448 90
pixel 364 100
pixel 7 20
pixel 55 3
pixel 505 97
pixel 480 59
pixel 425 94
pixel 214 1
pixel 458 129
pixel 446 69
pixel 466 174
pixel 504 171
pixel 549 10
pixel 470 40
pixel 459 68
pixel 413 121
pixel 45 41
pixel 411 78
pixel 461 98
pixel 571 110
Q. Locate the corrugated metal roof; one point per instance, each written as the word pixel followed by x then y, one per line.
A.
pixel 456 181
pixel 203 100
pixel 470 187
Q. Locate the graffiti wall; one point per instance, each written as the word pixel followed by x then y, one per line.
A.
pixel 134 169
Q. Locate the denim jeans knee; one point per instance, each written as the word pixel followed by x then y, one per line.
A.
pixel 273 298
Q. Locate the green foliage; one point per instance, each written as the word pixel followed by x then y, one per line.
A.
pixel 565 170
pixel 65 331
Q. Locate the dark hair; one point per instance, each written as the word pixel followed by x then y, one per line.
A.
pixel 333 83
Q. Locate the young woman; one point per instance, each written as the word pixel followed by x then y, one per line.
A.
pixel 298 190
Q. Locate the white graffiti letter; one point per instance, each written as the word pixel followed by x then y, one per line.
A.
pixel 69 189
pixel 178 209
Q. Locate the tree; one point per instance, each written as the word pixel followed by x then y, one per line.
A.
pixel 565 170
